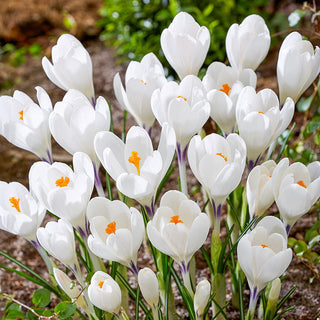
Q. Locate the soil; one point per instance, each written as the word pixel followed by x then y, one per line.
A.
pixel 29 21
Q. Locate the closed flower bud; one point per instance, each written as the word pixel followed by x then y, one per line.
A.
pixel 201 297
pixel 149 286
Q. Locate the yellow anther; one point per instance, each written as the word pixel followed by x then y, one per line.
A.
pixel 135 160
pixel 261 112
pixel 21 115
pixel 222 156
pixel 225 88
pixel 101 284
pixel 175 219
pixel 143 82
pixel 181 97
pixel 301 183
pixel 62 182
pixel 264 246
pixel 15 203
pixel 111 228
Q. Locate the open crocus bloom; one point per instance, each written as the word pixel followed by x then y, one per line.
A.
pixel 259 188
pixel 25 124
pixel 298 66
pixel 20 213
pixel 185 44
pixel 263 254
pixel 57 239
pixel 134 165
pixel 247 44
pixel 72 66
pixel 178 228
pixel 218 164
pixel 184 106
pixel 224 84
pixel 64 192
pixel 142 78
pixel 260 120
pixel 116 231
pixel 296 188
pixel 105 293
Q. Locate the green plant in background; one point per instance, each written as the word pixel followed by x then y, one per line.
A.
pixel 136 30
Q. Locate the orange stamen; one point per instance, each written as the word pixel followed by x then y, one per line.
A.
pixel 135 159
pixel 15 203
pixel 111 228
pixel 101 284
pixel 175 219
pixel 221 155
pixel 143 82
pixel 301 183
pixel 181 97
pixel 225 88
pixel 261 112
pixel 264 246
pixel 62 182
pixel 21 115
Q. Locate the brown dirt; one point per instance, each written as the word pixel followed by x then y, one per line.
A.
pixel 27 21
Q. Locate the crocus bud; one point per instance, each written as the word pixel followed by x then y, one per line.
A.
pixel 273 298
pixel 247 44
pixel 104 292
pixel 298 65
pixel 149 286
pixel 201 297
pixel 72 66
pixel 69 287
pixel 185 44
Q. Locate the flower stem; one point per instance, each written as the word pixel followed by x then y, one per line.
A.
pixel 186 277
pixel 43 255
pixel 97 181
pixel 155 312
pixel 254 295
pixel 219 289
pixel 182 168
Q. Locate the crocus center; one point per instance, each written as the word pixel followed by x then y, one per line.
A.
pixel 301 183
pixel 225 88
pixel 21 115
pixel 264 246
pixel 15 203
pixel 261 112
pixel 181 97
pixel 143 82
pixel 175 219
pixel 101 284
pixel 135 160
pixel 222 156
pixel 62 182
pixel 111 228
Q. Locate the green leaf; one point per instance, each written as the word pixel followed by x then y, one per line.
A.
pixel 300 247
pixel 15 314
pixel 314 241
pixel 41 298
pixel 304 104
pixel 65 310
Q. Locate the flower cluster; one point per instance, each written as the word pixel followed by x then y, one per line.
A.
pixel 176 226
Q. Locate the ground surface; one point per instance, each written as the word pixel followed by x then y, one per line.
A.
pixel 42 22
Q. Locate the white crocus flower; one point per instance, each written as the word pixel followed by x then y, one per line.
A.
pixel 62 191
pixel 224 84
pixel 259 188
pixel 149 285
pixel 71 67
pixel 178 229
pixel 260 120
pixel 105 293
pixel 141 79
pixel 201 297
pixel 296 188
pixel 70 288
pixel 134 165
pixel 218 164
pixel 57 239
pixel 247 44
pixel 20 213
pixel 25 123
pixel 185 107
pixel 263 256
pixel 74 124
pixel 298 66
pixel 116 231
pixel 185 44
